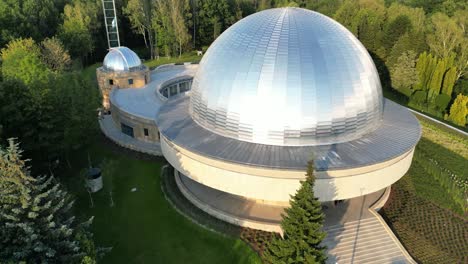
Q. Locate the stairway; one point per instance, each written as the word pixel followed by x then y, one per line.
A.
pixel 363 241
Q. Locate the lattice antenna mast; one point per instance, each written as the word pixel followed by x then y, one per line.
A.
pixel 110 18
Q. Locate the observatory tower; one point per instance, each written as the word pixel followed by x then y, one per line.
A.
pixel 122 68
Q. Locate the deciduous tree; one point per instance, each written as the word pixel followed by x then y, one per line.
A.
pixel 54 55
pixel 403 73
pixel 21 60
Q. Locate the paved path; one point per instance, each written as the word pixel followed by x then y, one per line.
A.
pixel 364 241
pixel 110 130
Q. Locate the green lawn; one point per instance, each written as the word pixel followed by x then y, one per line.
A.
pixel 142 227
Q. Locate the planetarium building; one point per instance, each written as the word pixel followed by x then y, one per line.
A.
pixel 276 90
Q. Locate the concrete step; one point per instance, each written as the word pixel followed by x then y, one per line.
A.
pixel 382 257
pixel 350 224
pixel 368 244
pixel 364 235
pixel 354 231
pixel 364 251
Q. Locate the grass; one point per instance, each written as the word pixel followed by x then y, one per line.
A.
pixel 186 57
pixel 422 213
pixel 142 227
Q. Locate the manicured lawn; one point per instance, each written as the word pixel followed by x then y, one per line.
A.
pixel 142 227
pixel 423 214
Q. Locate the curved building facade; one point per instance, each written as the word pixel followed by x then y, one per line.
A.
pixel 276 90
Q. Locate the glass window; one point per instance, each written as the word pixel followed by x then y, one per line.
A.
pixel 164 93
pixel 173 89
pixel 127 130
pixel 184 86
pixel 145 130
pixel 130 81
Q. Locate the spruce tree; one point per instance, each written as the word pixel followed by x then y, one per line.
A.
pixel 36 223
pixel 302 228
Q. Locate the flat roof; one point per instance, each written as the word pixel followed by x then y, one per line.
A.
pixel 144 102
pixel 398 132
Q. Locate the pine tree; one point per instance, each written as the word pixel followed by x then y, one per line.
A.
pixel 302 228
pixel 36 224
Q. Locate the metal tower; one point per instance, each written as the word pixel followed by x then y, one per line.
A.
pixel 110 18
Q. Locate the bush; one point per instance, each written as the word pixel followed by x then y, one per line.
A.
pixel 419 97
pixel 442 101
pixel 406 91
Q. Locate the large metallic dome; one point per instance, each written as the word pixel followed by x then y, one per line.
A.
pixel 121 59
pixel 287 76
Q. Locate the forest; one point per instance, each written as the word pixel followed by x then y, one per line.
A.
pixel 420 49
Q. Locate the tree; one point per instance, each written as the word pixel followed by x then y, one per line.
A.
pixel 54 55
pixel 36 221
pixel 35 19
pixel 449 81
pixel 411 41
pixel 162 25
pixel 395 29
pixel 425 67
pixel 403 73
pixel 302 228
pixel 22 61
pixel 51 119
pixel 80 21
pixel 140 15
pixel 435 84
pixel 346 14
pixel 214 16
pixel 416 15
pixel 459 110
pixel 446 36
pixel 178 22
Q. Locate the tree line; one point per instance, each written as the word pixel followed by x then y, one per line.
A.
pixel 419 46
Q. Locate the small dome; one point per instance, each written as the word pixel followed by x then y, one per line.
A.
pixel 287 76
pixel 121 59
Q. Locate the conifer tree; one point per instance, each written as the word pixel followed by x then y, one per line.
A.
pixel 302 228
pixel 36 224
pixel 459 110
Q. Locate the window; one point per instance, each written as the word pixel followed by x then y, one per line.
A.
pixel 127 130
pixel 184 86
pixel 130 81
pixel 173 89
pixel 164 93
pixel 111 82
pixel 146 132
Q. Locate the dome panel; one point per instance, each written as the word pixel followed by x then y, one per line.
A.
pixel 121 59
pixel 287 76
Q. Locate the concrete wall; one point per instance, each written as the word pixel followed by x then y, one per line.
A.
pixel 120 81
pixel 137 123
pixel 276 186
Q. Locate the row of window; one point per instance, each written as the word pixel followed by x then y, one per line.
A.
pixel 176 89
